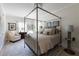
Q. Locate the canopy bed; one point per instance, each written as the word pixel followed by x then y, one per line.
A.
pixel 41 40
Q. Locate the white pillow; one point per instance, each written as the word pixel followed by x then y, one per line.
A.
pixel 30 32
pixel 49 31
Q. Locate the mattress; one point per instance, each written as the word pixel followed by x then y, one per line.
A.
pixel 45 42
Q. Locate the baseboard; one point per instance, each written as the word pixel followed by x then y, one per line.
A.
pixel 15 41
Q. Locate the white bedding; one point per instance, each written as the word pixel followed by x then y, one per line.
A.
pixel 45 42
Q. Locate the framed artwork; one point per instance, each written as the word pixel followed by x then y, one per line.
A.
pixel 56 23
pixel 50 24
pixel 30 27
pixel 11 26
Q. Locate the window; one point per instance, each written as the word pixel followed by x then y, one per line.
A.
pixel 21 27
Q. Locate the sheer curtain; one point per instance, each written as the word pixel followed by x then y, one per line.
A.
pixel 21 27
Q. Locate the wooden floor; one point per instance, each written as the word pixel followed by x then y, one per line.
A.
pixel 17 49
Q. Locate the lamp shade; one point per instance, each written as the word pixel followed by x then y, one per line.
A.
pixel 70 28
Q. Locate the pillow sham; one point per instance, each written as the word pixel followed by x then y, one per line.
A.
pixel 49 31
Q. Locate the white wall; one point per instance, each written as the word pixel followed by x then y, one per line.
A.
pixel 4 20
pixel 70 16
pixel 2 26
pixel 13 19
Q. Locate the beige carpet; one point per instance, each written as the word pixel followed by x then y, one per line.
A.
pixel 17 49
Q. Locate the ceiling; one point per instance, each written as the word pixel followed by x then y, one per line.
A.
pixel 22 9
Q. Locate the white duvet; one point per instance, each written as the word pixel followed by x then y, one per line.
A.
pixel 45 42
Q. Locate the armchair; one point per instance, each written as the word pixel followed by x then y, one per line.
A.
pixel 12 36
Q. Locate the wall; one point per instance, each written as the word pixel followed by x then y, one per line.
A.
pixel 13 19
pixel 70 16
pixel 2 25
pixel 4 20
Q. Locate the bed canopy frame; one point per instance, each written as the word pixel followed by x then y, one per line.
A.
pixel 36 8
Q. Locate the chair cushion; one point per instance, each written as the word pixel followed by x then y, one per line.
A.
pixel 12 35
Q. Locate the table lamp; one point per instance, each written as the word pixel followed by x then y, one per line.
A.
pixel 68 49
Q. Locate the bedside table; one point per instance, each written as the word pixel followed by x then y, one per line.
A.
pixel 23 34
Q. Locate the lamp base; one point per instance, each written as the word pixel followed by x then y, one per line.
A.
pixel 69 51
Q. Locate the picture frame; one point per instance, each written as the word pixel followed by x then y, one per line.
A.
pixel 56 23
pixel 50 24
pixel 11 26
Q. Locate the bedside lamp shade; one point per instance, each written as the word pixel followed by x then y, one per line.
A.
pixel 70 28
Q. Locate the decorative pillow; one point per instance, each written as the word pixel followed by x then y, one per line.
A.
pixel 41 32
pixel 49 31
pixel 57 31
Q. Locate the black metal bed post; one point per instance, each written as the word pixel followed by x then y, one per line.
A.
pixel 36 8
pixel 24 24
pixel 24 30
pixel 37 24
pixel 60 32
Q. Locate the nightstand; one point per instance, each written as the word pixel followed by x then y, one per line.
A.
pixel 23 34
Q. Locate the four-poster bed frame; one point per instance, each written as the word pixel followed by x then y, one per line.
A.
pixel 36 8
